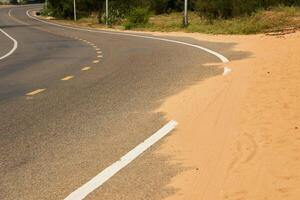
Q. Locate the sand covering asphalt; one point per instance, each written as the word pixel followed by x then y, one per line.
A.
pixel 239 135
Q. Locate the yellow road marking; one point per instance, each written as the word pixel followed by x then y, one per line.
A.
pixel 96 61
pixel 67 78
pixel 35 92
pixel 99 56
pixel 85 68
pixel 99 52
pixel 97 49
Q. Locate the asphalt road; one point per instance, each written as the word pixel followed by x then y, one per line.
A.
pixel 54 141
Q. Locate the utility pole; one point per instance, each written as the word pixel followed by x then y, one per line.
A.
pixel 75 15
pixel 185 20
pixel 106 12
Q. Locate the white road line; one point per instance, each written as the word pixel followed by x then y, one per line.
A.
pixel 35 92
pixel 218 55
pixel 15 46
pixel 110 171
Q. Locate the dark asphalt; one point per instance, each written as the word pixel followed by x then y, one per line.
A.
pixel 55 141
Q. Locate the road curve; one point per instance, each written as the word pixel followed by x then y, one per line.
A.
pixel 73 102
pixel 14 46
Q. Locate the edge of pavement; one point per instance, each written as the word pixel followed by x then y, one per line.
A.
pixel 239 135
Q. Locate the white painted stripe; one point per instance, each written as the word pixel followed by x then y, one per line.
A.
pixel 110 171
pixel 227 70
pixel 218 55
pixel 15 45
pixel 35 92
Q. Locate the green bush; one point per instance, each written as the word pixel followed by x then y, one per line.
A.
pixel 138 16
pixel 46 12
pixel 129 26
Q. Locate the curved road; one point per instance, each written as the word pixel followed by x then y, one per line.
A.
pixel 74 102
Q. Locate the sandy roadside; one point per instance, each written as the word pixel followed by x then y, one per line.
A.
pixel 239 135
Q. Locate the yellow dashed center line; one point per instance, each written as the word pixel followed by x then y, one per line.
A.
pixel 67 78
pixel 85 68
pixel 35 92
